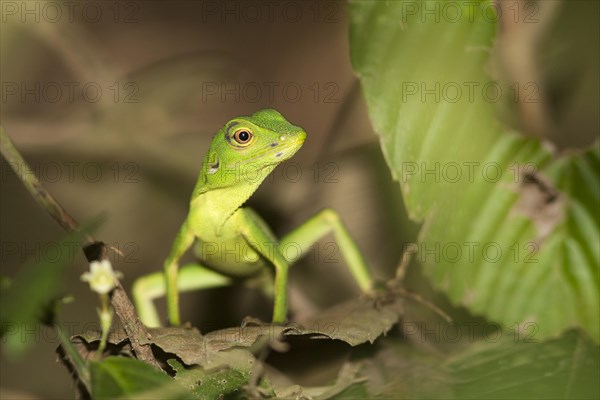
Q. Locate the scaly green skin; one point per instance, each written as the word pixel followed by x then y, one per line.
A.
pixel 233 241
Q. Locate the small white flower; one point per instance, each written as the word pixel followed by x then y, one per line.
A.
pixel 102 278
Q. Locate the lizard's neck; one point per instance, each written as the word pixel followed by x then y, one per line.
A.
pixel 216 197
pixel 214 207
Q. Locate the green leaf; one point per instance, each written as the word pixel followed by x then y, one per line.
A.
pixel 566 368
pixel 122 377
pixel 32 295
pixel 507 231
pixel 210 384
pixel 509 368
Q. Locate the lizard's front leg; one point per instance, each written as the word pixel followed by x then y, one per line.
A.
pixel 183 241
pixel 321 224
pixel 257 234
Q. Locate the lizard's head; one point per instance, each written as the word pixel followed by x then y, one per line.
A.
pixel 250 147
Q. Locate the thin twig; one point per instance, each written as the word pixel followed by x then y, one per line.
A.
pixel 78 364
pixel 93 250
pixel 419 299
pixel 402 267
pixel 394 286
pixel 35 188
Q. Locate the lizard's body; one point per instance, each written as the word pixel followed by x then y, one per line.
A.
pixel 231 240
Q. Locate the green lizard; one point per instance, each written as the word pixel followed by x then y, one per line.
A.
pixel 233 241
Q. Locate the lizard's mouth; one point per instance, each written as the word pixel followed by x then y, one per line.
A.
pixel 280 150
pixel 286 147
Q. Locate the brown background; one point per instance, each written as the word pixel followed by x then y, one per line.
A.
pixel 175 56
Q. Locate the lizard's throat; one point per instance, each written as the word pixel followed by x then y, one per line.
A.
pixel 218 205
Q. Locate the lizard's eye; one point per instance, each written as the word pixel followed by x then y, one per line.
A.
pixel 242 137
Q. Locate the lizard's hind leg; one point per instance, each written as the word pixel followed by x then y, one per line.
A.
pixel 150 287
